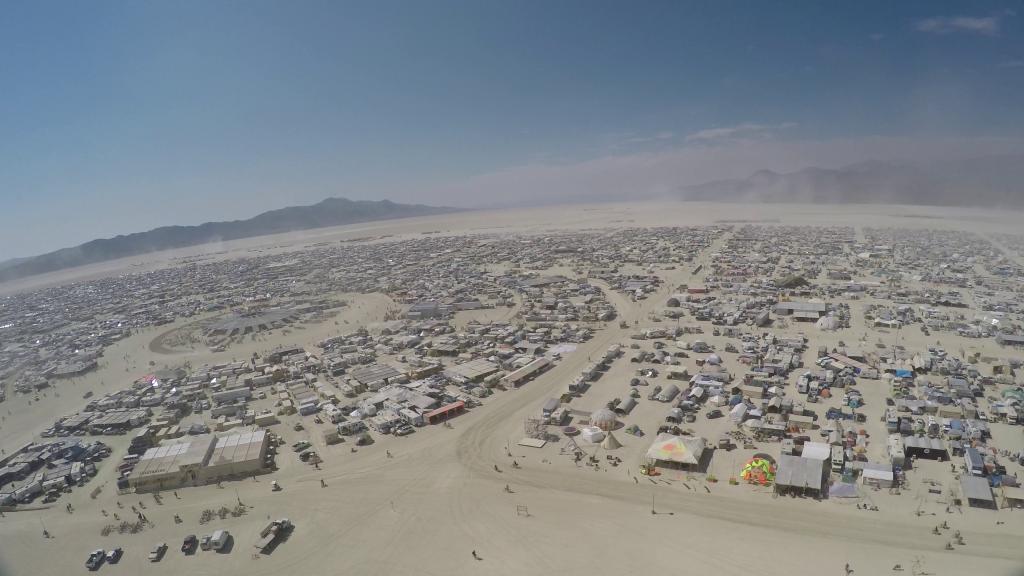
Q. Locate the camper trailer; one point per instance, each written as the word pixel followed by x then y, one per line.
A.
pixel 974 462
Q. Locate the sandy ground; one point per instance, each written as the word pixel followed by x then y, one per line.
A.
pixel 439 498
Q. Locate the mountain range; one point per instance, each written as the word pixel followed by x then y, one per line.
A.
pixel 330 212
pixel 990 181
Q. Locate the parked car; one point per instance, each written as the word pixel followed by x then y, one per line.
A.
pixel 188 546
pixel 157 552
pixel 716 413
pixel 404 430
pixel 301 446
pixel 114 555
pixel 95 560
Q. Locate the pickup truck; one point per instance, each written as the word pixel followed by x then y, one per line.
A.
pixel 157 552
pixel 95 560
pixel 272 532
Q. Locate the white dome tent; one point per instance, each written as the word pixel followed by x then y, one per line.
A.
pixel 604 419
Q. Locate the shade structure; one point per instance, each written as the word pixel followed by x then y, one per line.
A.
pixel 669 448
pixel 611 442
pixel 758 470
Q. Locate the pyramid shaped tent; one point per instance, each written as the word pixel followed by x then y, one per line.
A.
pixel 668 448
pixel 611 442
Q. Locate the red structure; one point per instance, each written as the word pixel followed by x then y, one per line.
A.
pixel 445 412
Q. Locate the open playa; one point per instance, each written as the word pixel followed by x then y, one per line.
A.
pixel 440 497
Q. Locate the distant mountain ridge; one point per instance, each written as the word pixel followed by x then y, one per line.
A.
pixel 991 181
pixel 330 212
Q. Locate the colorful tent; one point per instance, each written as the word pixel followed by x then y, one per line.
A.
pixel 668 448
pixel 758 471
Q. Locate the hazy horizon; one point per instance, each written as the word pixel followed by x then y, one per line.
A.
pixel 122 117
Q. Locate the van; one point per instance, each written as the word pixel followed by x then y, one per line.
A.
pixel 219 539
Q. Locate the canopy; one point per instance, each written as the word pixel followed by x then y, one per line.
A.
pixel 758 471
pixel 1015 393
pixel 671 448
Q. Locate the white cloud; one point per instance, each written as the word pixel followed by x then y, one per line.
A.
pixel 984 25
pixel 745 131
pixel 660 136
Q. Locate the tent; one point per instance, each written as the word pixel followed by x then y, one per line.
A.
pixel 673 451
pixel 758 470
pixel 738 412
pixel 611 442
pixel 592 434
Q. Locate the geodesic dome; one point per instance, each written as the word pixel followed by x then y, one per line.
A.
pixel 604 419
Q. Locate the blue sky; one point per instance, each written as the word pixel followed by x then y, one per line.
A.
pixel 121 116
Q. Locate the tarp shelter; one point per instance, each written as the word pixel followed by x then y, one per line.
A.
pixel 671 451
pixel 976 491
pixel 879 475
pixel 445 412
pixel 738 412
pixel 925 447
pixel 843 490
pixel 1013 497
pixel 799 474
pixel 817 451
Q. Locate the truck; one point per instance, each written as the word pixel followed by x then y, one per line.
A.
pixel 271 532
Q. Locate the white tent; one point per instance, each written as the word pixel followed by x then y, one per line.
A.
pixel 611 442
pixel 738 412
pixel 592 434
pixel 817 451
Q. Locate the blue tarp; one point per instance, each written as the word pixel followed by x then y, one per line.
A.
pixel 904 374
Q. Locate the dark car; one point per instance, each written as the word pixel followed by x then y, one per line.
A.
pixel 157 552
pixel 190 543
pixel 114 555
pixel 716 413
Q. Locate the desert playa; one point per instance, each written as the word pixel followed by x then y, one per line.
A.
pixel 800 325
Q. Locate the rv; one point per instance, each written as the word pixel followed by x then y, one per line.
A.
pixel 351 427
pixel 838 458
pixel 974 461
